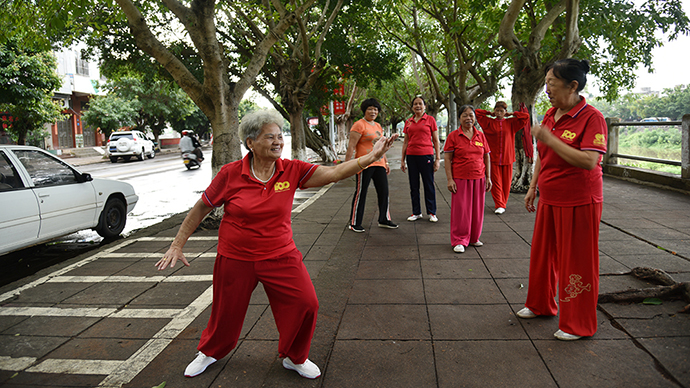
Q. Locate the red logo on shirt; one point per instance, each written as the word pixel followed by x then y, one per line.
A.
pixel 281 186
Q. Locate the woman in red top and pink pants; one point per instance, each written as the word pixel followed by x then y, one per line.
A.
pixel 500 133
pixel 468 170
pixel 564 262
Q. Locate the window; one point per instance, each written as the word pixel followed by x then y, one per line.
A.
pixel 45 170
pixel 9 178
pixel 82 65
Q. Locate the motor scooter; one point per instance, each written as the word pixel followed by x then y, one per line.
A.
pixel 190 160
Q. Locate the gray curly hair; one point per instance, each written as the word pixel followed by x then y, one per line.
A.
pixel 251 124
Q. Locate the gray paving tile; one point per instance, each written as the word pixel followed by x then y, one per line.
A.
pixel 385 322
pixel 407 291
pixel 474 322
pixel 462 291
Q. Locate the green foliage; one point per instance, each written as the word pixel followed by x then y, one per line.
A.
pixel 110 113
pixel 652 138
pixel 28 78
pixel 672 103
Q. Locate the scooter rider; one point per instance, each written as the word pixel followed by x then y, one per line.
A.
pixel 189 143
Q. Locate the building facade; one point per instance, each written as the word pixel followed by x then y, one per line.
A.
pixel 80 81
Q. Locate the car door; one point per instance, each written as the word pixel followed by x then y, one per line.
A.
pixel 19 218
pixel 66 205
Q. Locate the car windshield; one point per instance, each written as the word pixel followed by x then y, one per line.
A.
pixel 45 170
pixel 116 136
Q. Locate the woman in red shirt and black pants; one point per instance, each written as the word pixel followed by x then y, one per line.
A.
pixel 564 261
pixel 422 152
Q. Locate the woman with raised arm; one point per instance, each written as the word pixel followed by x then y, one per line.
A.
pixel 255 243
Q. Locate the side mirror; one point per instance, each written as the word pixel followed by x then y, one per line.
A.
pixel 85 177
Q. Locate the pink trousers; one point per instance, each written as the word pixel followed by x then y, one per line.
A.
pixel 467 211
pixel 564 264
pixel 290 293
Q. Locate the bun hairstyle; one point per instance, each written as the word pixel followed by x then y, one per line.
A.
pixel 569 70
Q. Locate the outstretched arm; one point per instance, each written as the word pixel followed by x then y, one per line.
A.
pixel 327 174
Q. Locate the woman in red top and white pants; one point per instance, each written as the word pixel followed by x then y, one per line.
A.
pixel 468 170
pixel 564 261
pixel 422 152
pixel 500 133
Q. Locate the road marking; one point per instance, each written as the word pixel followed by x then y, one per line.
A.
pixel 16 364
pixel 57 312
pixel 311 200
pixel 132 279
pixel 37 282
pixel 130 368
pixel 80 367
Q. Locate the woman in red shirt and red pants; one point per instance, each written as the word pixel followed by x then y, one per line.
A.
pixel 500 133
pixel 564 261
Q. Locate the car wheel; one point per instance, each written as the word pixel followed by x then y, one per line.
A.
pixel 152 154
pixel 141 155
pixel 112 219
pixel 113 159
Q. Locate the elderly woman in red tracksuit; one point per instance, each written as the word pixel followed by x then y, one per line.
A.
pixel 564 262
pixel 468 171
pixel 500 133
pixel 255 243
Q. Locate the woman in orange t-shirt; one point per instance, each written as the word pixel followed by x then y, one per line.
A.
pixel 363 135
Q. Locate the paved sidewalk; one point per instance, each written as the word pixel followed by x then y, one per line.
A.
pixel 397 307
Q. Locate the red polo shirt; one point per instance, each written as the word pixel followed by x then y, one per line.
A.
pixel 419 135
pixel 560 183
pixel 256 222
pixel 501 135
pixel 468 154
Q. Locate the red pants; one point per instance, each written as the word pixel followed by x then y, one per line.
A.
pixel 501 179
pixel 564 263
pixel 467 211
pixel 290 293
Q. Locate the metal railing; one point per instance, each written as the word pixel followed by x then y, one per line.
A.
pixel 612 167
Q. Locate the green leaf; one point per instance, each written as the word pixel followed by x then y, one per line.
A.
pixel 654 301
pixel 162 385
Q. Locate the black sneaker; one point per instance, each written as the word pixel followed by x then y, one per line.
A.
pixel 357 228
pixel 388 224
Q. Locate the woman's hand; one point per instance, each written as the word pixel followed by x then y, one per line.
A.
pixel 437 164
pixel 451 186
pixel 540 132
pixel 402 164
pixel 529 199
pixel 170 258
pixel 383 145
pixel 487 184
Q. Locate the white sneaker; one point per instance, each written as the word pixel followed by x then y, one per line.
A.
pixel 500 210
pixel 200 363
pixel 414 217
pixel 433 218
pixel 526 313
pixel 477 244
pixel 563 336
pixel 308 369
pixel 458 249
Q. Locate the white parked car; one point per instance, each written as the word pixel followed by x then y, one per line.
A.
pixel 126 144
pixel 43 198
